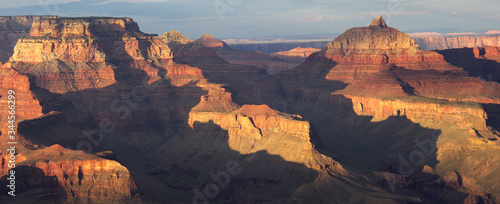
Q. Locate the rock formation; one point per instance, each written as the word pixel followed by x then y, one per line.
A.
pixel 170 119
pixel 378 22
pixel 13 28
pixel 70 176
pixel 297 54
pixel 371 78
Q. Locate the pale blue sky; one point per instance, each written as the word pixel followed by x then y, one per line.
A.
pixel 257 18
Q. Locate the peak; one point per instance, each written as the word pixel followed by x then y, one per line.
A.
pixel 207 36
pixel 373 38
pixel 175 37
pixel 378 22
pixel 56 148
pixel 210 41
pixel 253 110
pixel 174 32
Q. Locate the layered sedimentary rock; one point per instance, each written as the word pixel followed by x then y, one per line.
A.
pixel 443 43
pixel 465 115
pixel 23 104
pixel 380 56
pixel 258 127
pixel 75 52
pixel 372 87
pixel 380 45
pixel 482 62
pixel 297 54
pixel 13 28
pixel 248 84
pixel 56 174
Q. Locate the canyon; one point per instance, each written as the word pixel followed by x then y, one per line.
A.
pixel 108 114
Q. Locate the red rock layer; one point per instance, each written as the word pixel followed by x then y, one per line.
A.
pixel 384 62
pixel 297 54
pixel 251 85
pixel 378 46
pixel 69 175
pixel 13 28
pixel 26 104
pixel 75 51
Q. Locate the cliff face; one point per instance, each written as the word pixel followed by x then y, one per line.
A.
pixel 481 62
pixel 75 52
pixel 378 56
pixel 297 54
pixel 257 127
pixel 465 115
pixel 13 28
pixel 58 174
pixel 373 85
pixel 249 85
pixel 443 43
pixel 376 45
pixel 24 102
pixel 181 119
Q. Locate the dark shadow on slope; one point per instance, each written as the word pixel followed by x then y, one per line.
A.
pixel 32 179
pixel 201 166
pixel 388 146
pixel 130 117
pixel 354 140
pixel 11 32
pixel 248 84
pixel 493 111
pixel 488 70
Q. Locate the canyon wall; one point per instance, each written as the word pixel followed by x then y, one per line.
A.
pixel 443 43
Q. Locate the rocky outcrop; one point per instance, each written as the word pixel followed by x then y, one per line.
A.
pixel 248 84
pixel 210 41
pixel 443 43
pixel 13 28
pixel 75 51
pixel 252 128
pixel 382 45
pixel 24 103
pixel 91 40
pixel 421 110
pixel 395 96
pixel 58 174
pixel 378 22
pixel 297 54
pixel 377 56
pixel 175 37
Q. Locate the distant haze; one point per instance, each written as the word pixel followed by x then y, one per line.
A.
pixel 257 18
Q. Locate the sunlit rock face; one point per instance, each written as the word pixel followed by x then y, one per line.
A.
pixel 380 74
pixel 56 174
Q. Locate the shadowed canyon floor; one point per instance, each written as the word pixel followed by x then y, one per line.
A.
pixel 108 114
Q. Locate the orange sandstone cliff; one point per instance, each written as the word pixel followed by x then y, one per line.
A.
pixel 374 92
